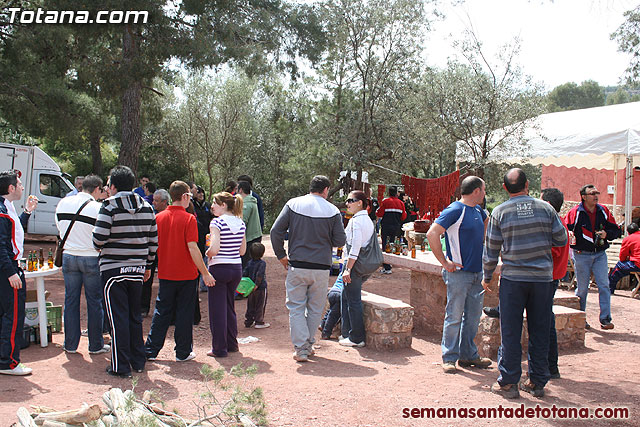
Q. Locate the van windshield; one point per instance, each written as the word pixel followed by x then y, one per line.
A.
pixel 53 185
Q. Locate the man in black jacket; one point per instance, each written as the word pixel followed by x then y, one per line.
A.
pixel 13 288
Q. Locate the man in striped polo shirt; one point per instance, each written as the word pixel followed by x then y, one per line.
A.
pixel 523 230
pixel 127 238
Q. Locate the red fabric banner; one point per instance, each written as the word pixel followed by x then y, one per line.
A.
pixel 431 195
pixel 381 190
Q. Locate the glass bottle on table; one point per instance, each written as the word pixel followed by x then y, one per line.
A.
pixel 41 258
pixel 50 259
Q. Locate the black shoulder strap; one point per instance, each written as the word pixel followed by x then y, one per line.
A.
pixel 64 239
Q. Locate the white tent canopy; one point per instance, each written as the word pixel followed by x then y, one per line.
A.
pixel 591 137
pixel 599 138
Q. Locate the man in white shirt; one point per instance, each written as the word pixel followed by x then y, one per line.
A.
pixel 80 265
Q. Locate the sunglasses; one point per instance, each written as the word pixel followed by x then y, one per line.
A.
pixel 351 200
pixel 594 193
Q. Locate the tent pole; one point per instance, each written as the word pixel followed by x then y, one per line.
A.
pixel 628 190
pixel 615 184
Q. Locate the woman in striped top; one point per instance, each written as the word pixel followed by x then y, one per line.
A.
pixel 227 245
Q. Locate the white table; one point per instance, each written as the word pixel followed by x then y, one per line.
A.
pixel 42 306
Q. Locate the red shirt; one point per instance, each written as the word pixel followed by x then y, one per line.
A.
pixel 560 256
pixel 176 227
pixel 630 248
pixel 592 218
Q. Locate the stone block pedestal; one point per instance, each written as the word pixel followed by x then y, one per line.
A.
pixel 388 322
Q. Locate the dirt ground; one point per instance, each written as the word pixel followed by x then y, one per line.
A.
pixel 341 386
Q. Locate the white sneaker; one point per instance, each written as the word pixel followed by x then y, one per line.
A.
pixel 383 271
pixel 19 370
pixel 70 351
pixel 348 343
pixel 105 349
pixel 191 356
pixel 84 332
pixel 264 325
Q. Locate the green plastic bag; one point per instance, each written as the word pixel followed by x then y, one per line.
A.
pixel 245 287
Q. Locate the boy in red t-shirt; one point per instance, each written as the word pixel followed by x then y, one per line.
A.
pixel 629 257
pixel 179 261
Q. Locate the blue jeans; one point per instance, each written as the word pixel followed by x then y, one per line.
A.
pixel 76 271
pixel 537 299
pixel 462 315
pixel 622 269
pixel 596 263
pixel 351 309
pixel 332 316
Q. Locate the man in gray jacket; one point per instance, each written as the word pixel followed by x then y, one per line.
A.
pixel 315 227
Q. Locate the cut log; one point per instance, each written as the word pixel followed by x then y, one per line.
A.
pixel 41 409
pixel 246 421
pixel 24 418
pixel 109 420
pixel 49 423
pixel 85 414
pixel 128 411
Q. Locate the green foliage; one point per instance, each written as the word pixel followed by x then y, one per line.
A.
pixel 240 399
pixel 628 38
pixel 570 96
pixel 494 177
pixel 484 106
pixel 373 54
pixel 622 95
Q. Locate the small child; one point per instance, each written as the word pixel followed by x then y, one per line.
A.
pixel 332 316
pixel 257 300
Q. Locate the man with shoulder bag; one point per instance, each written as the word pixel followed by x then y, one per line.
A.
pixel 75 219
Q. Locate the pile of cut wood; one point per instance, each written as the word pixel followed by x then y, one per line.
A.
pixel 122 409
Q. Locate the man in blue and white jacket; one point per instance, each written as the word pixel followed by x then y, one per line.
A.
pixel 13 288
pixel 315 227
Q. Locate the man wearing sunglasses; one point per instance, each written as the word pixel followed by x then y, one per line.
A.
pixel 591 227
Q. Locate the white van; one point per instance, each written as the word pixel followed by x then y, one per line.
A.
pixel 41 177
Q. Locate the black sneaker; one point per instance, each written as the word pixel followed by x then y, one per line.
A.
pixel 480 362
pixel 117 374
pixel 555 375
pixel 531 388
pixel 510 391
pixel 492 312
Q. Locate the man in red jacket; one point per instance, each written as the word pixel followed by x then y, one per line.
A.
pixel 592 226
pixel 629 257
pixel 392 212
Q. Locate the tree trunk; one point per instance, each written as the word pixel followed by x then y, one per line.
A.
pixel 131 101
pixel 96 155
